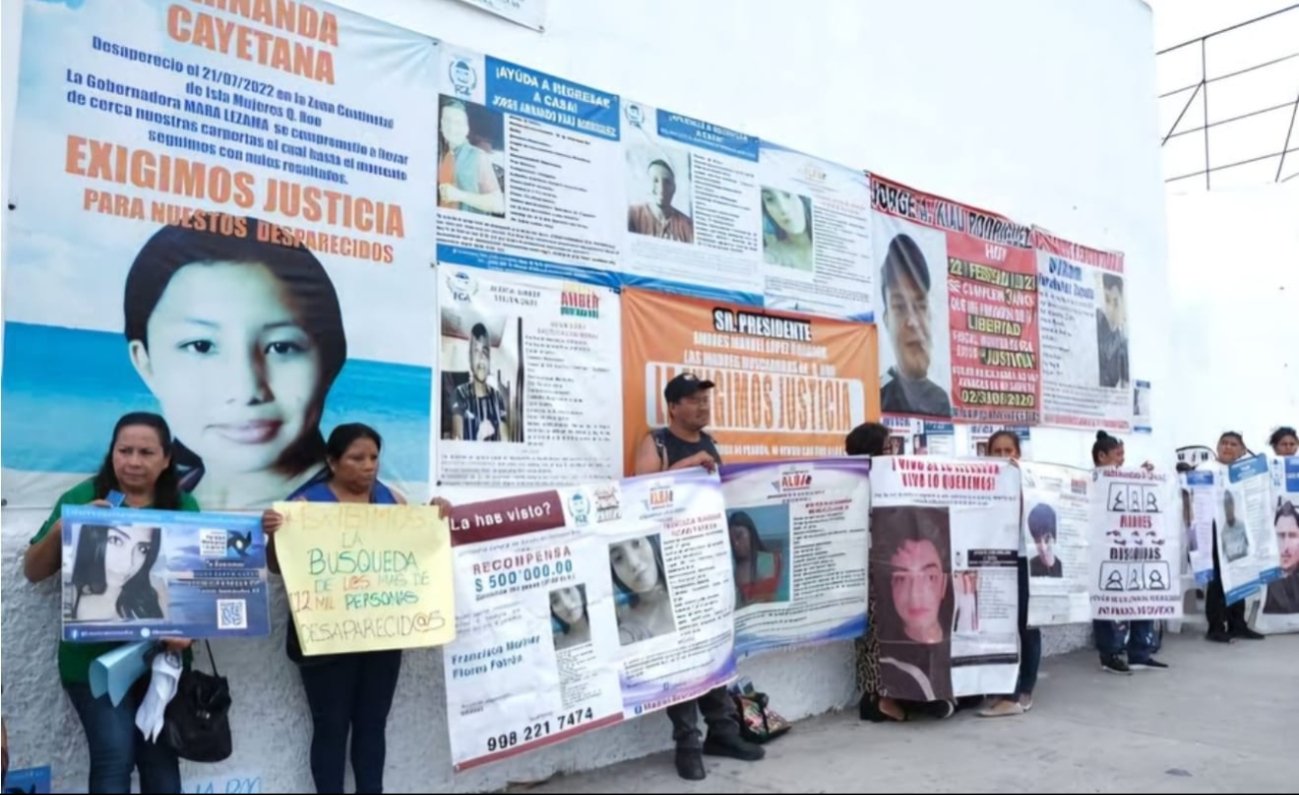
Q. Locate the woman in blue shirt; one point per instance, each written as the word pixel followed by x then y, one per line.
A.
pixel 348 693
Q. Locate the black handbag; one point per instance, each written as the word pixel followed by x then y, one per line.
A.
pixel 197 721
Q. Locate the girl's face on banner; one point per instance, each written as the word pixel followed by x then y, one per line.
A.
pixel 229 360
pixel 566 604
pixel 786 210
pixel 633 562
pixel 126 551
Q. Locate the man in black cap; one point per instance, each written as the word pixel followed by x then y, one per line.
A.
pixel 682 445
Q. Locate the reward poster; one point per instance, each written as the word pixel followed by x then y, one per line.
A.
pixel 217 217
pixel 578 608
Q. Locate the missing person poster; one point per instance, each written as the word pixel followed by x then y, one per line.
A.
pixel 528 169
pixel 141 574
pixel 1281 606
pixel 530 380
pixel 1248 556
pixel 786 385
pixel 1199 494
pixel 216 217
pixel 1085 377
pixel 581 607
pixel 816 235
pixel 1057 525
pixel 959 309
pixel 694 206
pixel 363 577
pixel 944 545
pixel 1136 545
pixel 799 536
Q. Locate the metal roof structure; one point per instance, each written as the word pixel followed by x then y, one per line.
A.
pixel 1229 104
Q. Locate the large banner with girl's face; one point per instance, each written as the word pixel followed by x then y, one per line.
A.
pixel 216 217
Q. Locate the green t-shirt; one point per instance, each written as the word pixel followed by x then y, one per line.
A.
pixel 75 658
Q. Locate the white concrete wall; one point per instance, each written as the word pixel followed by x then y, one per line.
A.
pixel 1234 258
pixel 1039 110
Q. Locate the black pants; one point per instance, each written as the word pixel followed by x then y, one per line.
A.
pixel 350 693
pixel 1221 617
pixel 719 713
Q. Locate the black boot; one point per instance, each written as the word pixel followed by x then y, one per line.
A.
pixel 690 764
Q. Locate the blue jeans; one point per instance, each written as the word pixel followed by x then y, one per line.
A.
pixel 350 693
pixel 117 747
pixel 1030 639
pixel 1138 638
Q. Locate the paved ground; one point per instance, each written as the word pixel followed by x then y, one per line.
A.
pixel 1225 719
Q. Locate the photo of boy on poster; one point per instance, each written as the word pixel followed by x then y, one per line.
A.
pixel 471 169
pixel 910 558
pixel 479 403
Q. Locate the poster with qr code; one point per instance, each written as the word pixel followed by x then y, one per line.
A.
pixel 136 575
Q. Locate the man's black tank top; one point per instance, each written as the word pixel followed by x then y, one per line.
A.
pixel 673 448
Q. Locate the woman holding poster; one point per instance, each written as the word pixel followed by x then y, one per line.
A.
pixel 140 466
pixel 1005 444
pixel 236 329
pixel 1123 646
pixel 348 693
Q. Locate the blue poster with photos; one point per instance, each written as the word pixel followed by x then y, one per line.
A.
pixel 139 575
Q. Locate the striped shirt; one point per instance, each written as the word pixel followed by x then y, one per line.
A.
pixel 474 410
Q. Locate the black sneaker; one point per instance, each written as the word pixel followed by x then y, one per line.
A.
pixel 1114 664
pixel 1245 633
pixel 1149 665
pixel 1218 636
pixel 690 764
pixel 733 748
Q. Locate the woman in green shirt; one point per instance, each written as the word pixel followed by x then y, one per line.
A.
pixel 139 466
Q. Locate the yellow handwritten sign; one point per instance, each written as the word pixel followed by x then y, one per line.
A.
pixel 366 577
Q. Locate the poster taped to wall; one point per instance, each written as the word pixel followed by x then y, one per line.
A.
pixel 363 577
pixel 581 607
pixel 1200 497
pixel 1136 541
pixel 528 13
pixel 530 382
pixel 1085 374
pixel 136 575
pixel 693 206
pixel 528 170
pixel 944 546
pixel 1141 421
pixel 1057 527
pixel 816 235
pixel 204 234
pixel 1247 540
pixel 799 535
pixel 959 333
pixel 1281 607
pixel 787 385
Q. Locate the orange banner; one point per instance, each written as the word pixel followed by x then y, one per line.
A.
pixel 788 385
